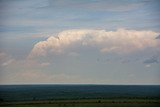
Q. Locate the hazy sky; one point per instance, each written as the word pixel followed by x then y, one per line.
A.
pixel 80 41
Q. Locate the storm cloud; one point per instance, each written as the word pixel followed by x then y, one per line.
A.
pixel 121 41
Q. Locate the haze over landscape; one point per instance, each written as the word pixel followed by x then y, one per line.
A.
pixel 80 42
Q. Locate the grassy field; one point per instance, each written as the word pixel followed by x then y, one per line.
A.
pixel 88 103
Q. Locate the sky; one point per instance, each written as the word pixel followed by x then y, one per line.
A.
pixel 80 42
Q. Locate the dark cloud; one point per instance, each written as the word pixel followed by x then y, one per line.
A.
pixel 125 61
pixel 158 37
pixel 153 59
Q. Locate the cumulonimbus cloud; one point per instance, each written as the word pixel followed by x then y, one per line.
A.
pixel 119 41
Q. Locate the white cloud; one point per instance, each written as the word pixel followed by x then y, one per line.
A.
pixel 148 65
pixel 74 54
pixel 119 41
pixel 5 59
pixel 45 64
pixel 3 56
pixel 8 62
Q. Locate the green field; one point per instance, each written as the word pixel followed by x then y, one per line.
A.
pixel 88 103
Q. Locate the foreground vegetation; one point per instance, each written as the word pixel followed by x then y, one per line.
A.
pixel 87 103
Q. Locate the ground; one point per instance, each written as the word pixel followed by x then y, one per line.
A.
pixel 88 103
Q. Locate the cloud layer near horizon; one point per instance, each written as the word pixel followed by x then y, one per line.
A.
pixel 120 41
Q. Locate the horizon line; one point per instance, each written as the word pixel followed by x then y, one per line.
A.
pixel 71 84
